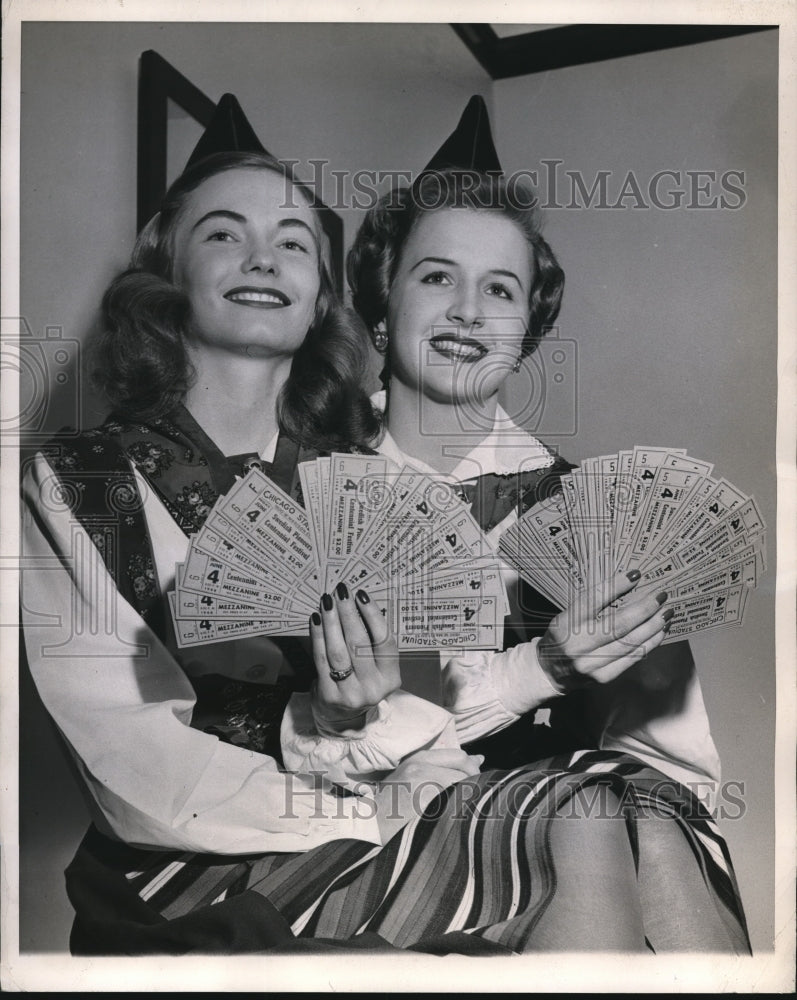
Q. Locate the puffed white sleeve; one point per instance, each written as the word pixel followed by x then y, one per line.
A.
pixel 486 691
pixel 123 706
pixel 399 725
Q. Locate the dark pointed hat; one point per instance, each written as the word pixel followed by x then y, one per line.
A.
pixel 229 131
pixel 470 146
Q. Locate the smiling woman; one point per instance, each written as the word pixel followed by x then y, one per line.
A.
pixel 485 291
pixel 251 274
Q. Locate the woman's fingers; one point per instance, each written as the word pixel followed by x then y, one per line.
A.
pixel 354 673
pixel 339 655
pixel 619 623
pixel 350 628
pixel 618 666
pixel 604 593
pixel 628 645
pixel 375 621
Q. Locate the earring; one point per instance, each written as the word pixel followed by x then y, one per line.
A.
pixel 380 341
pixel 517 364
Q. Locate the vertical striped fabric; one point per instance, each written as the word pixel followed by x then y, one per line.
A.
pixel 479 861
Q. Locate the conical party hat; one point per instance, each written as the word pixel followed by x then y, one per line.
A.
pixel 229 131
pixel 470 146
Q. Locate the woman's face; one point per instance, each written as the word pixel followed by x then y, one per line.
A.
pixel 247 253
pixel 459 305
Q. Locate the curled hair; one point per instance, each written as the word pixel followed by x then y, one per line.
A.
pixel 139 358
pixel 374 257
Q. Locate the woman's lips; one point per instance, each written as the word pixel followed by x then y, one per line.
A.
pixel 260 298
pixel 459 349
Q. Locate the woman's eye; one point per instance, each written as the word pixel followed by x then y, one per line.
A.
pixel 295 245
pixel 499 290
pixel 436 278
pixel 220 236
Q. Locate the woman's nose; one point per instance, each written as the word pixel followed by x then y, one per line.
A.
pixel 261 258
pixel 465 309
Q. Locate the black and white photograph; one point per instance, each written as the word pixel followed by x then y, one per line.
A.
pixel 398 465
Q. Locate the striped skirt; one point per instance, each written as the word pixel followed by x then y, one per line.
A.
pixel 496 863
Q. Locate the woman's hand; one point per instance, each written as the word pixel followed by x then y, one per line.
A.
pixel 579 646
pixel 408 790
pixel 356 658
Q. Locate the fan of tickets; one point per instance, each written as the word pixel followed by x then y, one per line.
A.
pixel 261 561
pixel 655 510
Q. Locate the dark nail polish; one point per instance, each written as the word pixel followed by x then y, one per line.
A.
pixel 315 618
pixel 662 597
pixel 342 591
pixel 326 602
pixel 362 597
pixel 668 614
pixel 633 575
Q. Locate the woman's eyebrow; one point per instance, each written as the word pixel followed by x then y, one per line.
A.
pixel 506 274
pixel 222 213
pixel 434 260
pixel 452 263
pixel 226 213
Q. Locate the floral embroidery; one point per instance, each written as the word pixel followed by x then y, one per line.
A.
pixel 98 537
pixel 63 459
pixel 151 458
pixel 142 576
pixel 194 502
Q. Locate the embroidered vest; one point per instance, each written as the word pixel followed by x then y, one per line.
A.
pixel 178 461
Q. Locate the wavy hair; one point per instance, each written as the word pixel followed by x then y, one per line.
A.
pixel 139 358
pixel 374 257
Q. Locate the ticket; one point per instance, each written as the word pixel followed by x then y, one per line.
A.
pixel 707 611
pixel 203 631
pixel 445 623
pixel 723 498
pixel 358 484
pixel 203 574
pixel 271 522
pixel 311 495
pixel 675 482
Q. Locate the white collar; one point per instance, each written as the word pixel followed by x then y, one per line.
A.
pixel 268 453
pixel 506 450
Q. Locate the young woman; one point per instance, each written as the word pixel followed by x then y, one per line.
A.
pixel 457 286
pixel 224 347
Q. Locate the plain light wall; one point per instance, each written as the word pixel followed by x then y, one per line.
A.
pixel 672 317
pixel 672 314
